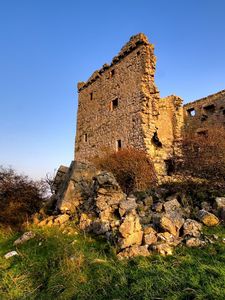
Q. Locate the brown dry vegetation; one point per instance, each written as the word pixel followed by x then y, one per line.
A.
pixel 132 168
pixel 204 155
pixel 20 197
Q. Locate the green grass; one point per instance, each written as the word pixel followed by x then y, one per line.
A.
pixel 59 266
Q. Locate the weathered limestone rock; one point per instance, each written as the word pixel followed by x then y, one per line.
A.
pixel 150 235
pixel 59 177
pixel 85 222
pixel 208 218
pixel 166 237
pixel 131 231
pixel 163 249
pixel 10 254
pixel 108 198
pixel 106 179
pixel 192 228
pixel 172 206
pixel 206 206
pixel 219 202
pixel 100 227
pixel 222 214
pixel 130 224
pixel 61 219
pixel 127 205
pixel 24 238
pixel 46 221
pixel 148 201
pixel 76 187
pixel 172 223
pixel 134 251
pixel 194 242
pixel 134 238
pixel 158 206
pixel 172 220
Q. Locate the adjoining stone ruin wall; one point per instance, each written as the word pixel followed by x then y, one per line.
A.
pixel 169 131
pixel 119 106
pixel 203 113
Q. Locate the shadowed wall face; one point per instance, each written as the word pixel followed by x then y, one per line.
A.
pixel 205 112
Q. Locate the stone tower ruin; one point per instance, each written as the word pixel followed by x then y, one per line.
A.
pixel 120 106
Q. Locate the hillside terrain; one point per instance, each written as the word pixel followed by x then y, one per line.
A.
pixel 68 264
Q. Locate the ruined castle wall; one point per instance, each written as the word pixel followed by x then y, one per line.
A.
pixel 205 112
pixel 120 106
pixel 168 128
pixel 111 104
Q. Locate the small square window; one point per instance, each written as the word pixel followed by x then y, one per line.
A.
pixel 191 112
pixel 114 104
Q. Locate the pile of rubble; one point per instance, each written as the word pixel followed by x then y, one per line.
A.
pixel 136 225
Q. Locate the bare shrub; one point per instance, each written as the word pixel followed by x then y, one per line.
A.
pixel 133 170
pixel 20 197
pixel 204 155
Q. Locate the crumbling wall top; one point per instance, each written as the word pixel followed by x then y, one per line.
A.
pixel 134 42
pixel 211 97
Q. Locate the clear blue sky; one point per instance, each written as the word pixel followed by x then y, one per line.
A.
pixel 47 46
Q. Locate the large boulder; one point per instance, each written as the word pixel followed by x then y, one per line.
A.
pixel 130 230
pixel 75 187
pixel 172 223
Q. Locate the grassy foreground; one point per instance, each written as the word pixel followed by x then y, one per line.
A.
pixel 55 265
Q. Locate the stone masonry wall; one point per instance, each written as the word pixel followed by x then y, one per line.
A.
pixel 110 104
pixel 119 106
pixel 205 112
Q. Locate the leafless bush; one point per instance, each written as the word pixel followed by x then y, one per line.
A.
pixel 20 197
pixel 133 170
pixel 204 155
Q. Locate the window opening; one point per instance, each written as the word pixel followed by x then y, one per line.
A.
pixel 156 141
pixel 112 73
pixel 170 167
pixel 209 109
pixel 202 133
pixel 114 104
pixel 85 137
pixel 118 145
pixel 204 118
pixel 191 112
pixel 91 96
